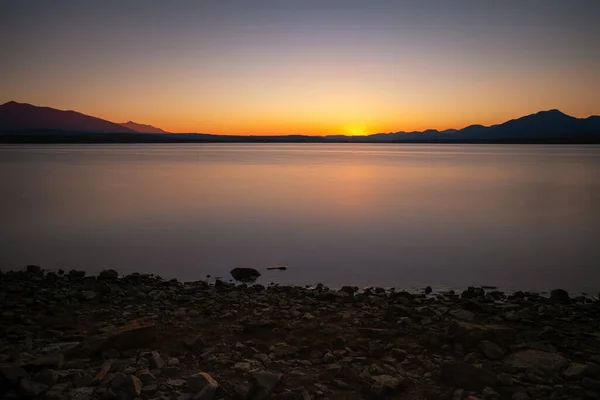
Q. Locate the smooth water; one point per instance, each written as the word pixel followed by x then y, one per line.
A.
pixel 515 216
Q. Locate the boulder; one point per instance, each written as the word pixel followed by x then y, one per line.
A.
pixel 465 376
pixel 108 274
pixel 560 296
pixel 75 274
pixel 244 274
pixel 34 269
pixel 428 290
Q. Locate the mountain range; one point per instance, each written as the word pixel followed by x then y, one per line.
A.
pixel 28 123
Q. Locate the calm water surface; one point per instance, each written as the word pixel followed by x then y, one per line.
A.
pixel 519 217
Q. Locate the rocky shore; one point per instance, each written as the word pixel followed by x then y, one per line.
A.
pixel 72 336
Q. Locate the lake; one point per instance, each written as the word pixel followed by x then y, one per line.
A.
pixel 513 216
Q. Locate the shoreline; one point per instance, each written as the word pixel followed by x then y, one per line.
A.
pixel 139 336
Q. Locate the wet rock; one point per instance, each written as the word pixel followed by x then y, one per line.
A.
pixel 244 274
pixel 428 290
pixel 108 274
pixel 132 385
pixel 458 374
pixel 491 350
pixel 542 360
pixel 560 296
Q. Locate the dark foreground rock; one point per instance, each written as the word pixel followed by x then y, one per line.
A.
pixel 244 274
pixel 141 337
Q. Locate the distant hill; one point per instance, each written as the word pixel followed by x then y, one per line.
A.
pixel 19 117
pixel 25 123
pixel 141 128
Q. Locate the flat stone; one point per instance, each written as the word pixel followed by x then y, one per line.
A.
pixel 53 361
pixel 543 360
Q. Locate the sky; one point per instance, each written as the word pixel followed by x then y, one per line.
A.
pixel 303 66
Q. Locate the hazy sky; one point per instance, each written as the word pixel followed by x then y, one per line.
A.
pixel 302 66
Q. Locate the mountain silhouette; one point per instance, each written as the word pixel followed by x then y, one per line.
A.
pixel 141 128
pixel 20 117
pixel 25 123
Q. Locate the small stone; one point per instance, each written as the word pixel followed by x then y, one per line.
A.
pixel 147 378
pixel 505 379
pixel 242 367
pixel 156 361
pixel 149 389
pixel 176 382
pixel 489 393
pixel 491 350
pixel 198 381
pixel 118 381
pixel 263 384
pixel 132 385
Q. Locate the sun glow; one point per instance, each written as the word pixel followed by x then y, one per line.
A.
pixel 356 130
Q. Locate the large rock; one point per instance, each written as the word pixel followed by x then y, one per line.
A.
pixel 560 296
pixel 53 361
pixel 244 274
pixel 522 360
pixel 131 336
pixel 108 274
pixel 465 376
pixel 34 269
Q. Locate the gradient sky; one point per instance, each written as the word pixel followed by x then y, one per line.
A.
pixel 303 66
